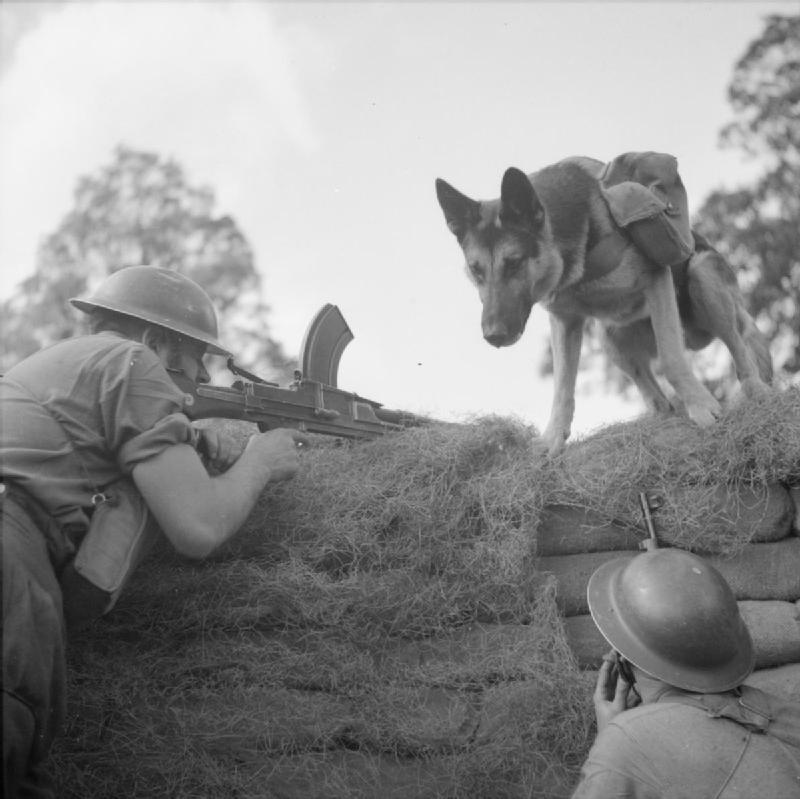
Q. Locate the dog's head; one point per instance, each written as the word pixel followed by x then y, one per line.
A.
pixel 509 253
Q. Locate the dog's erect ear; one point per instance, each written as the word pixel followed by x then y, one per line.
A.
pixel 460 211
pixel 519 205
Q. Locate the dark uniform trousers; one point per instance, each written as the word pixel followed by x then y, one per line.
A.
pixel 34 669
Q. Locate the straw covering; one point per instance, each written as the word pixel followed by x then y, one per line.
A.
pixel 387 624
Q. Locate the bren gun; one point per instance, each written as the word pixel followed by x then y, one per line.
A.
pixel 312 403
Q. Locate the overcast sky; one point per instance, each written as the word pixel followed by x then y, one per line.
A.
pixel 322 126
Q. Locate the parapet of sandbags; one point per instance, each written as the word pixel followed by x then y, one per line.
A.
pixel 400 619
pixel 730 513
pixel 759 571
pixel 774 627
pixel 730 493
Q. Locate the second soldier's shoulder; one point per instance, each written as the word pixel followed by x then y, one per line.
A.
pixel 653 712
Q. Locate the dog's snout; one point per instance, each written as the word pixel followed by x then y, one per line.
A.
pixel 496 336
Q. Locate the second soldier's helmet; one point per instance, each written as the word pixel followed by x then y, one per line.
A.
pixel 673 615
pixel 162 297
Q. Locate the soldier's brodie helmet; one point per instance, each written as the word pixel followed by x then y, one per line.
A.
pixel 673 615
pixel 162 297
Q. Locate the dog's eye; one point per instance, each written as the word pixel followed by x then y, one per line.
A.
pixel 476 270
pixel 512 266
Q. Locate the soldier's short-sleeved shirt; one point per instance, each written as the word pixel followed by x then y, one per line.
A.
pixel 82 413
pixel 669 750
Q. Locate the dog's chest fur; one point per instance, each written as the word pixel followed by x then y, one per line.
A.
pixel 578 219
pixel 617 297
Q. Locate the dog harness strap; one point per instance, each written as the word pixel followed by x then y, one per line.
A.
pixel 605 256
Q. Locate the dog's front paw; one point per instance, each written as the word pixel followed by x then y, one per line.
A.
pixel 704 413
pixel 553 440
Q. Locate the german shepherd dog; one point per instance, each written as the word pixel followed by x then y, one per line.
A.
pixel 530 246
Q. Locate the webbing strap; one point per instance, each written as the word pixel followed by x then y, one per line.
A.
pixel 605 256
pixel 751 708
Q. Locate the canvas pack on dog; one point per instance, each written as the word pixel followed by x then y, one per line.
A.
pixel 612 242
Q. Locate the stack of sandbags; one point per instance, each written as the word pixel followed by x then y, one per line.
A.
pixel 764 572
pixel 402 618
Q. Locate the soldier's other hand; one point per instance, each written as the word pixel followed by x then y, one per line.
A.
pixel 279 449
pixel 220 449
pixel 610 694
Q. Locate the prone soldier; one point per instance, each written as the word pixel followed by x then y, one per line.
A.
pixel 85 414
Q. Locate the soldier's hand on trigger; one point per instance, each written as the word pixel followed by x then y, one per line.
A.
pixel 279 449
pixel 220 449
pixel 611 691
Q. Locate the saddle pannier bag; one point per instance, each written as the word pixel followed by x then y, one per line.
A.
pixel 647 199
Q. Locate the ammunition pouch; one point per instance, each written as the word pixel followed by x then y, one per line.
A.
pixel 647 199
pixel 121 533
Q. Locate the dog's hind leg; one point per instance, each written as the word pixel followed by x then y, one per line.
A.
pixel 717 308
pixel 700 405
pixel 632 348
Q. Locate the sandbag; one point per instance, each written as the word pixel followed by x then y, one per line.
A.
pixel 585 640
pixel 568 530
pixel 572 573
pixel 774 627
pixel 783 681
pixel 757 515
pixel 509 704
pixel 759 571
pixel 794 493
pixel 723 513
pixel 763 571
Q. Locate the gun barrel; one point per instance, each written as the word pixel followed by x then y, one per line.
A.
pixel 400 418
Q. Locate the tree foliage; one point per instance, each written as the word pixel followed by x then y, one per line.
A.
pixel 140 209
pixel 757 227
